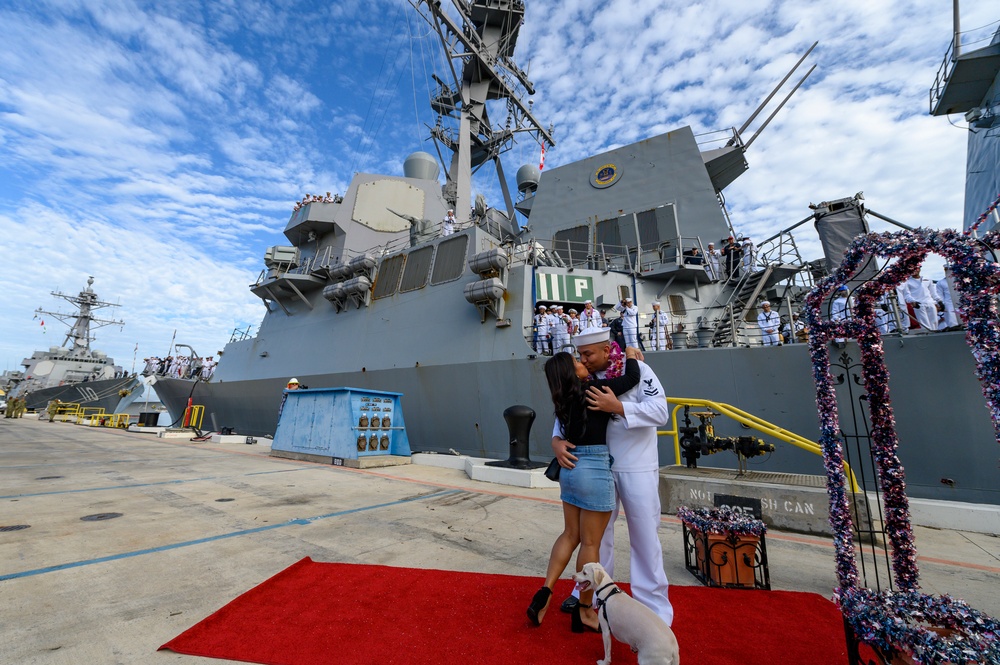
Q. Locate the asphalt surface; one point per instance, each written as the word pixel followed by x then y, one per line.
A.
pixel 202 523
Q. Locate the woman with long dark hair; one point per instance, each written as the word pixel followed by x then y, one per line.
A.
pixel 587 490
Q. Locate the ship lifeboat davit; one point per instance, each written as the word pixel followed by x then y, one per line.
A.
pixel 492 260
pixel 485 290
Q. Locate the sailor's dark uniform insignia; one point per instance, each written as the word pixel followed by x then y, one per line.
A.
pixel 649 389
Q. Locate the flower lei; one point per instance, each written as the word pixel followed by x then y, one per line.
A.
pixel 977 280
pixel 616 363
pixel 721 521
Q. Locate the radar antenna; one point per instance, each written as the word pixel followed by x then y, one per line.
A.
pixel 482 38
pixel 83 321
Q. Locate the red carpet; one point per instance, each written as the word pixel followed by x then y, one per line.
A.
pixel 343 613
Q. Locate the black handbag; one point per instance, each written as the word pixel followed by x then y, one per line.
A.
pixel 552 472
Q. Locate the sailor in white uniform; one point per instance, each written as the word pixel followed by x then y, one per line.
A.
pixel 840 308
pixel 769 323
pixel 448 223
pixel 632 443
pixel 559 329
pixel 712 258
pixel 917 293
pixel 590 318
pixel 542 330
pixel 943 288
pixel 630 322
pixel 795 330
pixel 659 327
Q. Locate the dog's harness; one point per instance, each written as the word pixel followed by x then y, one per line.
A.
pixel 601 604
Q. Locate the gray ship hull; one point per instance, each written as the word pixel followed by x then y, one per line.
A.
pixel 948 448
pixel 104 394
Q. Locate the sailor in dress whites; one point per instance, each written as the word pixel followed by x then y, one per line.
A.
pixel 630 322
pixel 840 309
pixel 542 330
pixel 590 318
pixel 559 329
pixel 795 330
pixel 448 223
pixel 631 437
pixel 749 256
pixel 659 328
pixel 768 322
pixel 712 262
pixel 917 293
pixel 943 288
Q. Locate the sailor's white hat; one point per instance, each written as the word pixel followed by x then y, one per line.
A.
pixel 656 303
pixel 588 302
pixel 628 298
pixel 542 307
pixel 592 336
pixel 765 302
pixel 573 311
pixel 557 307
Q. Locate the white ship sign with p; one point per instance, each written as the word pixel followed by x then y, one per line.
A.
pixel 566 288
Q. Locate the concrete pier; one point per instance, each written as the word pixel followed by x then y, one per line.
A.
pixel 201 523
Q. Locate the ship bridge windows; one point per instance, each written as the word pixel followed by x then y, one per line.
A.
pixel 389 272
pixel 450 262
pixel 418 263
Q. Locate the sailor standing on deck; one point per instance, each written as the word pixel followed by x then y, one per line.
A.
pixel 630 322
pixel 560 330
pixel 943 288
pixel 840 310
pixel 659 327
pixel 631 435
pixel 590 318
pixel 542 330
pixel 448 223
pixel 917 293
pixel 712 259
pixel 768 322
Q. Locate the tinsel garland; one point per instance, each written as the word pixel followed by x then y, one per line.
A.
pixel 877 618
pixel 977 280
pixel 982 217
pixel 721 521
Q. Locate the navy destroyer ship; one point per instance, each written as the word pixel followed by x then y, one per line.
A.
pixel 372 291
pixel 73 372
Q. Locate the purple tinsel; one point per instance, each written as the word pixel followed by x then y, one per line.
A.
pixel 977 280
pixel 721 521
pixel 895 621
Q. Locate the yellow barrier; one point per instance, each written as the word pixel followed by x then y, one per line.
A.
pixel 94 413
pixel 193 416
pixel 66 410
pixel 119 420
pixel 749 420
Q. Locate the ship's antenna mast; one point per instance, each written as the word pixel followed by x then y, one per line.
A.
pixel 82 321
pixel 483 39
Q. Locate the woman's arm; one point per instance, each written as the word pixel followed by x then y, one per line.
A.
pixel 623 383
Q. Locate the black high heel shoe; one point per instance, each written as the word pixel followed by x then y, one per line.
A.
pixel 577 625
pixel 536 611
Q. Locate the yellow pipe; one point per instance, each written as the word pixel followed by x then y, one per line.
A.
pixel 749 420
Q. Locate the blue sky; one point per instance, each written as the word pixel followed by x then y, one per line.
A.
pixel 161 146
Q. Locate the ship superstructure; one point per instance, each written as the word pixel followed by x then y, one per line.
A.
pixel 74 372
pixel 371 293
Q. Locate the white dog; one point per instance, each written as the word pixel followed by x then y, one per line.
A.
pixel 629 620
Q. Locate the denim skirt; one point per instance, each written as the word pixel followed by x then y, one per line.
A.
pixel 589 484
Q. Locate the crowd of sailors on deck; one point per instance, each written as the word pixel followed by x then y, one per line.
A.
pixel 180 367
pixel 922 305
pixel 316 198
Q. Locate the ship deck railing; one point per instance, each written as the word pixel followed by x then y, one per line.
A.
pixel 748 420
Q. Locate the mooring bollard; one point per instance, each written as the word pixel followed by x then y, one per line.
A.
pixel 519 420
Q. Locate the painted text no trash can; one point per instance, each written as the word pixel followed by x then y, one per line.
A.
pixel 340 426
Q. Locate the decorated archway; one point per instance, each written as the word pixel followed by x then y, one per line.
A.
pixel 931 629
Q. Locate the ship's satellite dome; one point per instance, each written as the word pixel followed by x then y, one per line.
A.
pixel 528 177
pixel 421 165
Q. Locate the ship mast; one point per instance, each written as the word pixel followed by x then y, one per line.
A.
pixel 483 41
pixel 83 321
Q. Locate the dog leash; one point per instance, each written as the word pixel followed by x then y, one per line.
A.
pixel 601 604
